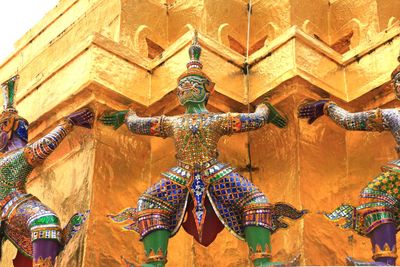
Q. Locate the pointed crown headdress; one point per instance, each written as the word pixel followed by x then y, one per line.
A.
pixel 194 66
pixel 9 88
pixel 9 118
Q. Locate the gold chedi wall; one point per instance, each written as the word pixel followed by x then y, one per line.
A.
pixel 119 54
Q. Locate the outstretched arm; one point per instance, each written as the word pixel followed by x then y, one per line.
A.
pixel 38 151
pixel 155 126
pixel 372 120
pixel 244 122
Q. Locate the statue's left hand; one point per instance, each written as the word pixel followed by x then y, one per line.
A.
pixel 275 117
pixel 83 118
pixel 114 118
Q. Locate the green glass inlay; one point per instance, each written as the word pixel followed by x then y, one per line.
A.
pixel 196 52
pixel 373 205
pixel 175 178
pixel 376 217
pixel 221 174
pixel 368 219
pixel 45 220
pixel 11 91
pixel 76 220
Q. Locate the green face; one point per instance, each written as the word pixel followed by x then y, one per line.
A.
pixel 191 89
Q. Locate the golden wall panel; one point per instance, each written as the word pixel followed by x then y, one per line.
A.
pixel 182 14
pixel 138 14
pixel 56 90
pixel 342 12
pixel 119 75
pixel 314 11
pixel 114 189
pixel 273 18
pixel 208 16
pixel 386 11
pixel 323 171
pixel 228 78
pixel 373 71
pixel 270 18
pixel 320 69
pixel 217 13
pixel 225 251
pixel 264 74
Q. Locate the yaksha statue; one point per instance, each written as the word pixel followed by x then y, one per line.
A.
pixel 212 193
pixel 378 215
pixel 25 221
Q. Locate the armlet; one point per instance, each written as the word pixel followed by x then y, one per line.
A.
pixel 375 120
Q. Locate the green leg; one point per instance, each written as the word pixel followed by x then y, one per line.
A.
pixel 154 243
pixel 259 240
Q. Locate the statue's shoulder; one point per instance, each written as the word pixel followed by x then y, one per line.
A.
pixel 11 156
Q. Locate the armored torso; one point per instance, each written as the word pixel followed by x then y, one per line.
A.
pixel 196 136
pixel 14 171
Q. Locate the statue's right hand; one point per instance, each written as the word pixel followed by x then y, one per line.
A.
pixel 83 118
pixel 311 110
pixel 113 118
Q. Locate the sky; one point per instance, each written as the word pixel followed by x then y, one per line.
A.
pixel 17 17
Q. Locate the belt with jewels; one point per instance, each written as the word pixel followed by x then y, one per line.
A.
pixel 209 172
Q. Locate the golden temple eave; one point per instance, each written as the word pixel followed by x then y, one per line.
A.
pixel 338 65
pixel 113 65
pixel 345 76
